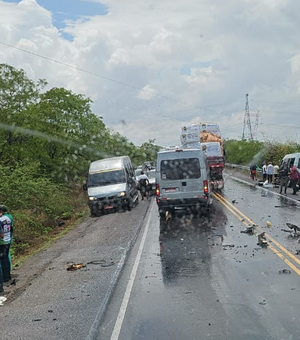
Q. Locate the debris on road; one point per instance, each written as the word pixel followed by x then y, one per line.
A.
pixel 293 226
pixel 263 302
pixel 2 300
pixel 228 245
pixel 297 252
pixel 74 266
pixel 285 271
pixel 108 264
pixel 249 230
pixel 269 224
pixel 262 241
pixel 287 231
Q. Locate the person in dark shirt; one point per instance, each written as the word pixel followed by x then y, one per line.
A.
pixel 284 177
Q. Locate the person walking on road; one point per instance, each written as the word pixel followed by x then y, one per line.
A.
pixel 284 177
pixel 294 176
pixel 270 170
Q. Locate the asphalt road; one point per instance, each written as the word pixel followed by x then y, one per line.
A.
pixel 202 278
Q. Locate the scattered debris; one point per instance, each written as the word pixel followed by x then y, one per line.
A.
pixel 269 224
pixel 249 230
pixel 37 320
pixel 108 264
pixel 233 201
pixel 149 276
pixel 287 231
pixel 2 300
pixel 297 252
pixel 263 302
pixel 13 282
pixel 293 226
pixel 74 266
pixel 285 271
pixel 262 241
pixel 97 262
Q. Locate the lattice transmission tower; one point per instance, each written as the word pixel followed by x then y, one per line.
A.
pixel 247 121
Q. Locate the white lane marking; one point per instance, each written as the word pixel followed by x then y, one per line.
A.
pixel 122 311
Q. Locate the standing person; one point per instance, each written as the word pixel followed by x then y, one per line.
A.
pixel 143 184
pixel 294 178
pixel 6 213
pixel 284 177
pixel 1 273
pixel 5 245
pixel 264 172
pixel 276 173
pixel 253 170
pixel 270 170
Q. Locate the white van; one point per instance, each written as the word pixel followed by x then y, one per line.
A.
pixel 111 185
pixel 292 159
pixel 183 181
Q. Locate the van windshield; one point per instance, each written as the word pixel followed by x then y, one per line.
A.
pixel 106 178
pixel 184 168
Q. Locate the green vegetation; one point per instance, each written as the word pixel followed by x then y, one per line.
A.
pixel 246 152
pixel 47 140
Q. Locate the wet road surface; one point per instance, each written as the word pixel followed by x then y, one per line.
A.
pixel 203 278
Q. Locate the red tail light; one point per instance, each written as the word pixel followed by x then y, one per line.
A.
pixel 157 190
pixel 205 186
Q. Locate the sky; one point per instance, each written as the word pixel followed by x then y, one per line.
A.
pixel 152 66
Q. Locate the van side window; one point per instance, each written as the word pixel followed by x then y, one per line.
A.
pixel 176 169
pixel 298 164
pixel 292 161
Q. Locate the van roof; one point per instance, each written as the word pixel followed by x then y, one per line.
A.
pixel 175 151
pixel 292 155
pixel 108 163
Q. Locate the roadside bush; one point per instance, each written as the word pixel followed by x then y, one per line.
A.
pixel 37 204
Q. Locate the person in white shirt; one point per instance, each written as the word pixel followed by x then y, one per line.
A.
pixel 276 172
pixel 264 172
pixel 270 170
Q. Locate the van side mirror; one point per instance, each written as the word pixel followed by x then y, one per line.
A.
pixel 84 186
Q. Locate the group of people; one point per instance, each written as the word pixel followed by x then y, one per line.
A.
pixel 284 176
pixel 6 232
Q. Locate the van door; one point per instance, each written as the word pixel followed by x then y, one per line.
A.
pixel 180 178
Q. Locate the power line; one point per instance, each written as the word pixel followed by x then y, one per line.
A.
pixel 104 77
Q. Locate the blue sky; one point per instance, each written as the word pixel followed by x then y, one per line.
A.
pixel 69 9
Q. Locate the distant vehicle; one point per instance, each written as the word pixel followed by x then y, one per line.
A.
pixel 152 181
pixel 183 181
pixel 150 165
pixel 111 185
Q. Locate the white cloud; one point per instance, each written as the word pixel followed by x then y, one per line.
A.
pixel 186 55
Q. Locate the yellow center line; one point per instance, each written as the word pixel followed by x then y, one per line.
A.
pixel 239 214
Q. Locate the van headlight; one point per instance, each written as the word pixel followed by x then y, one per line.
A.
pixel 92 198
pixel 122 194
